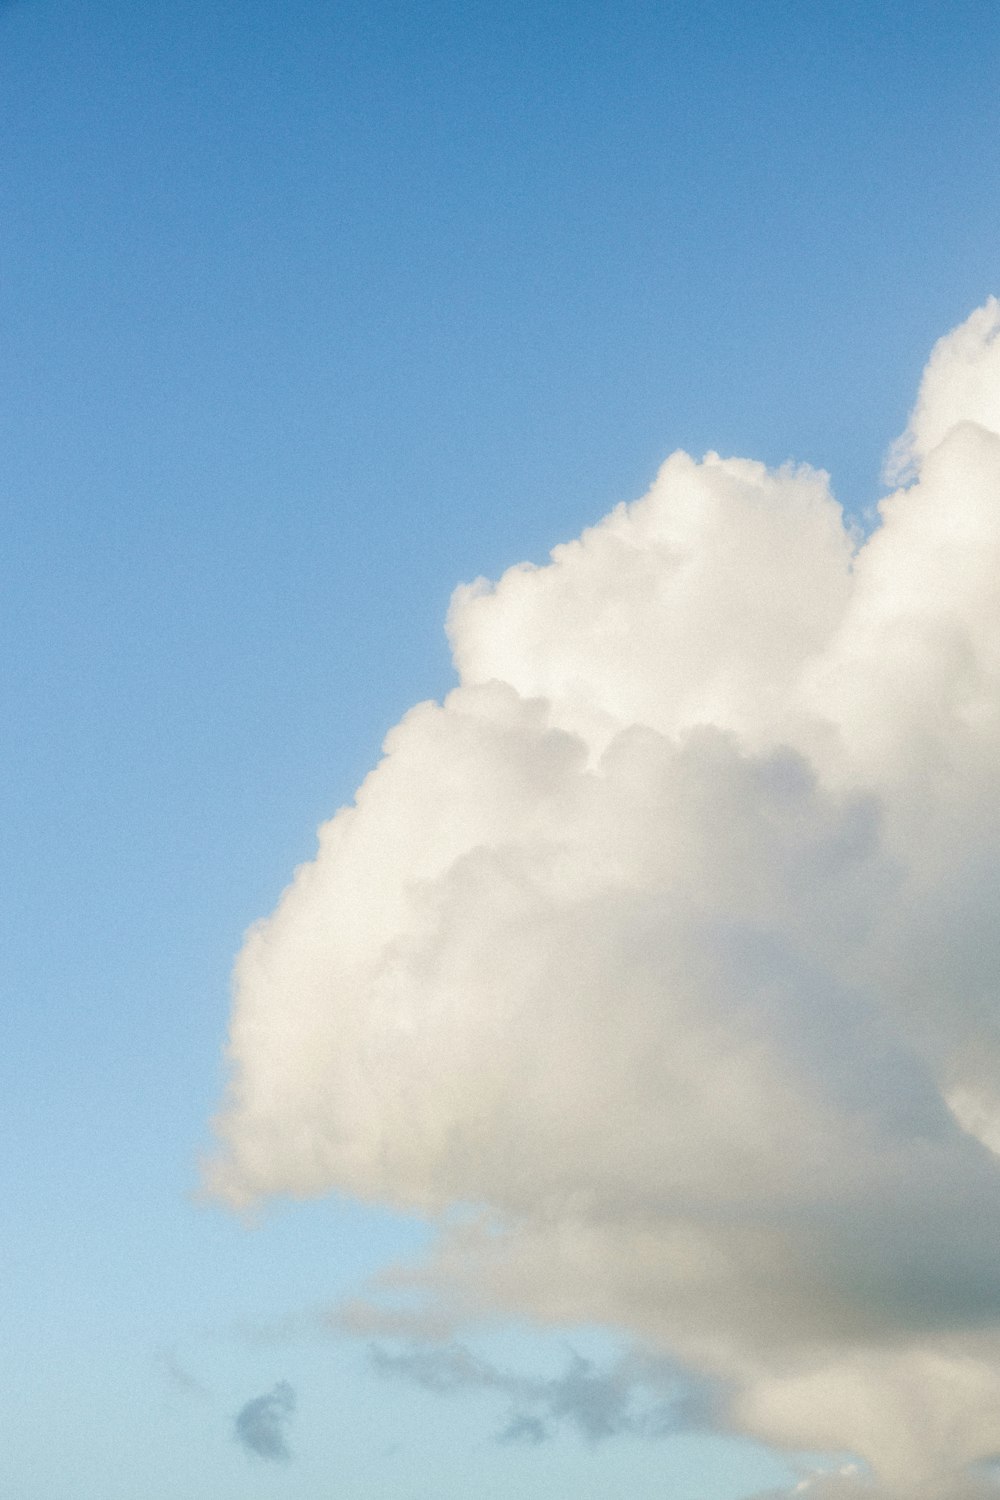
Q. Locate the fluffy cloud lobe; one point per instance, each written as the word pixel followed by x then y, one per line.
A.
pixel 669 944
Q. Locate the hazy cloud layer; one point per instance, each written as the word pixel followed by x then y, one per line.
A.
pixel 671 941
pixel 261 1425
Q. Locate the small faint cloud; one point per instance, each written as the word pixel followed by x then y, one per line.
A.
pixel 524 1429
pixel 359 1318
pixel 166 1359
pixel 260 1424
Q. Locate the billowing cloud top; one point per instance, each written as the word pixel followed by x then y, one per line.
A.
pixel 670 942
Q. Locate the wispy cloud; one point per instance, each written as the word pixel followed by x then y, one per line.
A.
pixel 627 1397
pixel 852 1482
pixel 522 1428
pixel 178 1376
pixel 261 1425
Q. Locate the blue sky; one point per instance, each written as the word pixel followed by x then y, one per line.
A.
pixel 307 314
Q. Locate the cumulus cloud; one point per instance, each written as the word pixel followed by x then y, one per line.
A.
pixel 260 1426
pixel 667 946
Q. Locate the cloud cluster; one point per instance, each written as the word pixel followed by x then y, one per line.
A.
pixel 669 944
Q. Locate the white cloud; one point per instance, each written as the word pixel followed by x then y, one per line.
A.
pixel 670 941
